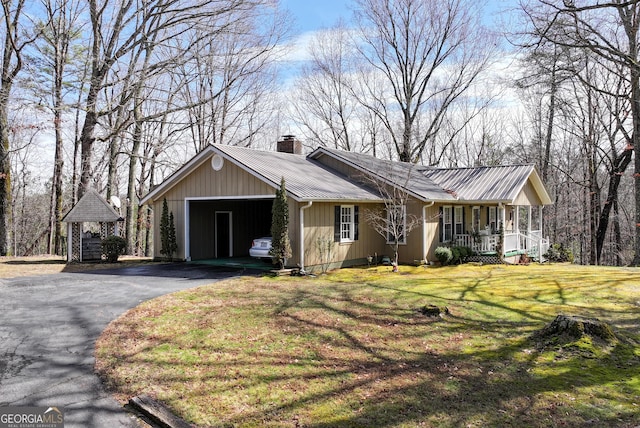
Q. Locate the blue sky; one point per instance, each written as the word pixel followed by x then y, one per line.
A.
pixel 312 15
pixel 315 14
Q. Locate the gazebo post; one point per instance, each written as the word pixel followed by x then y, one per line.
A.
pixel 69 242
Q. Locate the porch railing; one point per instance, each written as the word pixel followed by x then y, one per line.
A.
pixel 479 244
pixel 534 244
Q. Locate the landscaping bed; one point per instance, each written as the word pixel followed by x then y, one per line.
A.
pixel 358 348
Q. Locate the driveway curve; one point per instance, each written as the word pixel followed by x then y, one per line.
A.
pixel 49 325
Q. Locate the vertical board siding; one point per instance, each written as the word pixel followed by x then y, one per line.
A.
pixel 527 196
pixel 204 182
pixel 318 225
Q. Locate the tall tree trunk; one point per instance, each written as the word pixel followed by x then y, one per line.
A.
pixel 5 174
pixel 131 182
pixel 635 111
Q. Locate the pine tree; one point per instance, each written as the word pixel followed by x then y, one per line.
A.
pixel 164 229
pixel 168 241
pixel 172 243
pixel 280 245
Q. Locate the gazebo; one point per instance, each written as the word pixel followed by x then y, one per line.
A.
pixel 91 208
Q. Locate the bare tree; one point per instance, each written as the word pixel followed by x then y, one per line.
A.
pixel 118 28
pixel 324 105
pixel 611 32
pixel 15 39
pixel 394 222
pixel 430 54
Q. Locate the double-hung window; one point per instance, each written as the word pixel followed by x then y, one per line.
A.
pixel 447 224
pixel 493 219
pixel 476 218
pixel 346 223
pixel 458 219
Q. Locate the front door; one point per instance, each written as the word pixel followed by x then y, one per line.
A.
pixel 224 234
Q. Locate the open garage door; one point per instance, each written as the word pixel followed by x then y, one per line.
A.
pixel 225 228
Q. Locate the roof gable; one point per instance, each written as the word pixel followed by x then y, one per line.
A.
pixel 91 207
pixel 305 178
pixel 400 174
pixel 488 183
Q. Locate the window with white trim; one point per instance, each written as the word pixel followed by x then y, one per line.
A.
pixel 396 224
pixel 476 218
pixel 346 223
pixel 447 225
pixel 493 219
pixel 458 218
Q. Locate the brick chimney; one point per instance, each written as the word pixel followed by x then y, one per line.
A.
pixel 289 144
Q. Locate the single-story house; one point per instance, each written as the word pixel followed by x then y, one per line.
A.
pixel 221 200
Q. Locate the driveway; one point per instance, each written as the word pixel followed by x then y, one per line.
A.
pixel 49 325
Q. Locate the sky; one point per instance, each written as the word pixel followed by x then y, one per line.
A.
pixel 311 15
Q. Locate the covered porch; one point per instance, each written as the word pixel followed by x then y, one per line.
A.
pixel 513 230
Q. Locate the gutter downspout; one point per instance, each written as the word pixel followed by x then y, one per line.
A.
pixel 424 230
pixel 302 208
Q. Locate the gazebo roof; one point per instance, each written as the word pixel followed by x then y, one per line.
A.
pixel 91 207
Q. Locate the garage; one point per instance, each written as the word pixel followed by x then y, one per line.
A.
pixel 223 228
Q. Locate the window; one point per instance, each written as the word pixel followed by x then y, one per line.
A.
pixel 458 218
pixel 476 219
pixel 447 226
pixel 396 224
pixel 493 222
pixel 345 223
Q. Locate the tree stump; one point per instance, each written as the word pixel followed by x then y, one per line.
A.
pixel 575 327
pixel 434 311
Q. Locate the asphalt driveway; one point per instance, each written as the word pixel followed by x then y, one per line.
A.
pixel 49 325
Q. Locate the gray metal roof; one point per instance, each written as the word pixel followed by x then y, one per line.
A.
pixel 401 174
pixel 91 207
pixel 306 179
pixel 309 179
pixel 495 183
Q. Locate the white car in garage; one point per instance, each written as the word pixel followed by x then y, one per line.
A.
pixel 260 248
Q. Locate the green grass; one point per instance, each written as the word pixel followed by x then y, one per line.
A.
pixel 351 349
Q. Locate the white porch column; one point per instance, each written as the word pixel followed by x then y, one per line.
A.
pixel 69 242
pixel 516 225
pixel 540 219
pixel 187 241
pixel 529 221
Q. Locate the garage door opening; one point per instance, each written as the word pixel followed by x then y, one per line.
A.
pixel 226 228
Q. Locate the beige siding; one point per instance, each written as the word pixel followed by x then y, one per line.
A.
pixel 204 182
pixel 230 181
pixel 341 167
pixel 431 222
pixel 528 196
pixel 318 228
pixel 412 250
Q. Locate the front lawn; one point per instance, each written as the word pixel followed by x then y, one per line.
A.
pixel 353 349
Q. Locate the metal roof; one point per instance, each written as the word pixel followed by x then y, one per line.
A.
pixel 309 179
pixel 91 207
pixel 494 183
pixel 400 174
pixel 305 178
